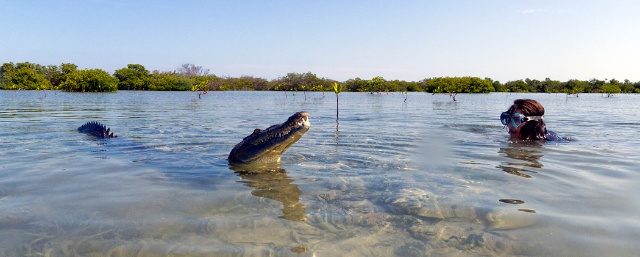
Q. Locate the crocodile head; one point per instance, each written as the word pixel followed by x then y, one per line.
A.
pixel 266 146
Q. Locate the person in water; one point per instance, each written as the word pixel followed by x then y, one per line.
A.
pixel 525 120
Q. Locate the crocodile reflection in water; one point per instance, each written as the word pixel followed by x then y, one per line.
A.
pixel 276 185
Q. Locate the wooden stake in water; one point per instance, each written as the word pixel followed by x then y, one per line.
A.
pixel 337 88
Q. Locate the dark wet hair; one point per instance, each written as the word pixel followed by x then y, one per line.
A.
pixel 533 129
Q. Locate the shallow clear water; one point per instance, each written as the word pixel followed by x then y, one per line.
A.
pixel 421 178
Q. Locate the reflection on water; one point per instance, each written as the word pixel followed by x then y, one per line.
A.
pixel 511 201
pixel 274 184
pixel 525 158
pixel 425 177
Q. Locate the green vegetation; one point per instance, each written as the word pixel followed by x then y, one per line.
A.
pixel 133 77
pixel 27 76
pixel 67 77
pixel 94 80
pixel 201 88
pixel 454 86
pixel 610 89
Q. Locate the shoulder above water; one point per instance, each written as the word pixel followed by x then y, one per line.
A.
pixel 552 136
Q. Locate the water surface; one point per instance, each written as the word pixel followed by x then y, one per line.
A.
pixel 418 178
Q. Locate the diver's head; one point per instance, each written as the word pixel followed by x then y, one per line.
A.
pixel 524 120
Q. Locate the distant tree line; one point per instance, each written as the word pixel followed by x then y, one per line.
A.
pixel 67 77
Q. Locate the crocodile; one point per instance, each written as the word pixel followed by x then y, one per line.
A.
pixel 266 146
pixel 96 129
pixel 261 147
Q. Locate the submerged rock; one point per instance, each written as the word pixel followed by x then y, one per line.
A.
pixel 509 219
pixel 425 204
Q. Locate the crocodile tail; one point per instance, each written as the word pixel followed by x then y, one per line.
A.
pixel 96 129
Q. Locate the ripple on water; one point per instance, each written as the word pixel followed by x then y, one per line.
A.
pixel 425 177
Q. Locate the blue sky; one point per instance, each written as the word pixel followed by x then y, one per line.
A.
pixel 407 40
